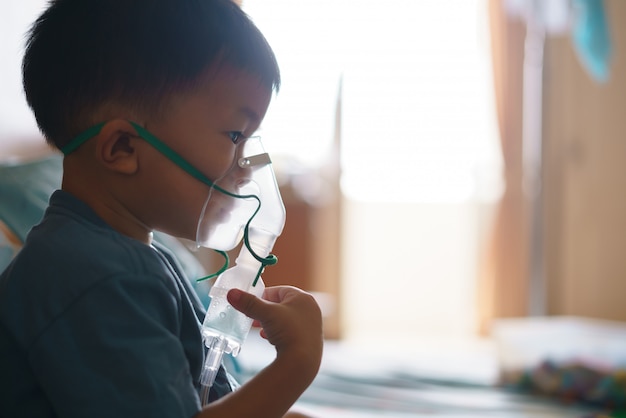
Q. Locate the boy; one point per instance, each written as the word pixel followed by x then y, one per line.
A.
pixel 94 319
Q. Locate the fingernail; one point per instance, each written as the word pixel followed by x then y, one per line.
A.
pixel 234 295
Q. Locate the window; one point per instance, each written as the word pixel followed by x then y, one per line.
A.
pixel 419 149
pixel 418 123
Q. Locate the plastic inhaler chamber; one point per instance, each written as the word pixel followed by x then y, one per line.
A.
pixel 224 328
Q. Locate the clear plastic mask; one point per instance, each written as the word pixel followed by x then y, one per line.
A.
pixel 245 197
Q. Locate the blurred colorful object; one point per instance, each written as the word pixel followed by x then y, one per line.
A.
pixel 590 35
pixel 574 381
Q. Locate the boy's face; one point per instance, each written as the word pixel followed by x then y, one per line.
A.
pixel 202 126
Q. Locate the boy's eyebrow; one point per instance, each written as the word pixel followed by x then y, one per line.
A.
pixel 251 114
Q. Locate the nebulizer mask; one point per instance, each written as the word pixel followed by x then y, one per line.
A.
pixel 242 203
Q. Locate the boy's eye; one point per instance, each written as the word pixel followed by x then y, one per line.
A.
pixel 236 137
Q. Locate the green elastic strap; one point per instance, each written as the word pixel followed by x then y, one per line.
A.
pixel 221 270
pixel 71 146
pixel 191 170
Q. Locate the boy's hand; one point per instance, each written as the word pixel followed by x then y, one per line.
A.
pixel 290 318
pixel 292 322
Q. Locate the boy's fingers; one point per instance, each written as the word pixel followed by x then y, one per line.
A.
pixel 246 303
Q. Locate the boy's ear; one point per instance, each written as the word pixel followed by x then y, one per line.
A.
pixel 116 147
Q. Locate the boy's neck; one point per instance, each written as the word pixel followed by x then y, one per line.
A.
pixel 110 210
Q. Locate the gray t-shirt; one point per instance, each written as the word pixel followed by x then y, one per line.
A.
pixel 93 323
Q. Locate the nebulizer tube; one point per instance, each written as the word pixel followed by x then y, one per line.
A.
pixel 224 328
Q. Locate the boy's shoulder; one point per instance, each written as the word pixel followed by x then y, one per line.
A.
pixel 72 250
pixel 72 237
pixel 72 255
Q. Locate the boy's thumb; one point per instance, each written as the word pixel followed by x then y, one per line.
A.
pixel 245 303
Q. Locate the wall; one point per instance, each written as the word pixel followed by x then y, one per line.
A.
pixel 409 270
pixel 585 179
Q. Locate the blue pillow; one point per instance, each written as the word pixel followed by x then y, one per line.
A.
pixel 7 250
pixel 24 192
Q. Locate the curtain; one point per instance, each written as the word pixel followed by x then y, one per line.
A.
pixel 503 272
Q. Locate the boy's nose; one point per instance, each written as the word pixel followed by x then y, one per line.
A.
pixel 237 180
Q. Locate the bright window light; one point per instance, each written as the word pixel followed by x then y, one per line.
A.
pixel 418 122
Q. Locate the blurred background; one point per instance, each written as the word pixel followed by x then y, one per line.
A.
pixel 386 141
pixel 451 162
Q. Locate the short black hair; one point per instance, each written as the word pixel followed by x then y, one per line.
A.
pixel 83 54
